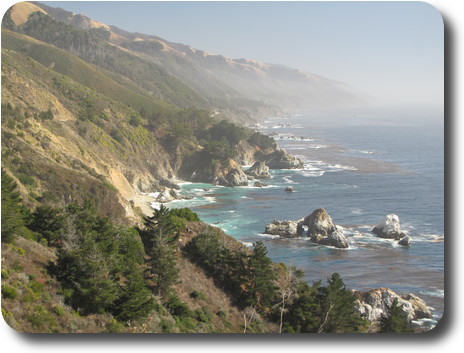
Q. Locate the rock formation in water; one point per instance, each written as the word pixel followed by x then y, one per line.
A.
pixel 375 303
pixel 286 229
pixel 280 159
pixel 259 170
pixel 405 241
pixel 321 229
pixel 389 228
pixel 319 225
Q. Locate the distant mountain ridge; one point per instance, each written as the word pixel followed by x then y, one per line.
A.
pixel 225 83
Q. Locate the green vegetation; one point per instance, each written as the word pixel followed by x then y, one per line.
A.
pixel 79 115
pixel 13 211
pixel 395 320
pixel 160 236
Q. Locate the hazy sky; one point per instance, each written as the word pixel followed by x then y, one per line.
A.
pixel 391 51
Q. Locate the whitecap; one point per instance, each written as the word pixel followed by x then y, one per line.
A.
pixel 288 180
pixel 438 293
pixel 272 236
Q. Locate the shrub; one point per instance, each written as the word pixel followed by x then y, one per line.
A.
pixel 9 292
pixel 197 295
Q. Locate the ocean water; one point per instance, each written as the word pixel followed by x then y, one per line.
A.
pixel 359 166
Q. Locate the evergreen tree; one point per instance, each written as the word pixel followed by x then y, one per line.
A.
pixel 337 312
pixel 162 232
pixel 395 320
pixel 49 222
pixel 261 288
pixel 99 266
pixel 135 302
pixel 13 210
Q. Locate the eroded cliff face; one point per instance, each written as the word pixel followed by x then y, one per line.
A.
pixel 64 139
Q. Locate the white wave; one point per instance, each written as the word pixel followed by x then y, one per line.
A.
pixel 288 180
pixel 312 173
pixel 317 146
pixel 272 236
pixel 433 238
pixel 438 293
pixel 246 197
pixel 357 211
pixel 247 243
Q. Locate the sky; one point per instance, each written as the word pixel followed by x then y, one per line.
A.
pixel 391 52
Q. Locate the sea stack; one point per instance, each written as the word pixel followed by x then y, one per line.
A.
pixel 389 228
pixel 321 229
pixel 259 170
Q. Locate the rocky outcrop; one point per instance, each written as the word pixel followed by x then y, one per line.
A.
pixel 288 189
pixel 280 159
pixel 389 228
pixel 375 303
pixel 318 226
pixel 259 184
pixel 336 238
pixel 321 229
pixel 286 229
pixel 259 170
pixel 235 177
pixel 406 241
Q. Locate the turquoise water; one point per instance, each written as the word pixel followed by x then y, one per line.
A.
pixel 359 166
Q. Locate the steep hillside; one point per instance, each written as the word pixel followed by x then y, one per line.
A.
pixel 226 83
pixel 65 117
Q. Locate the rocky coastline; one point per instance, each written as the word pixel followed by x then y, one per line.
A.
pixel 318 226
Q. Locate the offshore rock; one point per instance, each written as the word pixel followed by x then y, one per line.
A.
pixel 321 229
pixel 375 303
pixel 235 177
pixel 319 224
pixel 406 241
pixel 421 310
pixel 286 229
pixel 259 184
pixel 389 228
pixel 335 238
pixel 283 160
pixel 288 189
pixel 259 170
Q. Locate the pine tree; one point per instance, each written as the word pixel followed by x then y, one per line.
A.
pixel 261 289
pixel 162 232
pixel 395 320
pixel 337 312
pixel 49 222
pixel 13 210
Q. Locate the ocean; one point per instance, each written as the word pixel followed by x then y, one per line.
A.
pixel 360 165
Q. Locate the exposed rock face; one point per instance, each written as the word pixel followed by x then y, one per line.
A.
pixel 282 160
pixel 319 225
pixel 406 241
pixel 321 229
pixel 259 170
pixel 376 302
pixel 335 238
pixel 287 229
pixel 389 228
pixel 235 177
pixel 421 309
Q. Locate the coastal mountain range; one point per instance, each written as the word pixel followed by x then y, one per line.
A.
pixel 97 123
pixel 240 86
